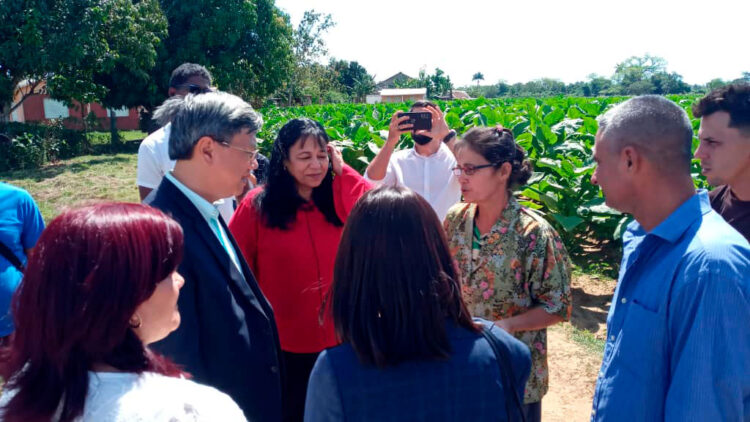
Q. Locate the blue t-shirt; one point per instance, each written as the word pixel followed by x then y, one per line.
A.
pixel 21 225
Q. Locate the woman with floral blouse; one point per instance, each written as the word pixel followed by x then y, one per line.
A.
pixel 514 268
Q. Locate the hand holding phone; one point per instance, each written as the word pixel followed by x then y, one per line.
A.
pixel 398 126
pixel 420 120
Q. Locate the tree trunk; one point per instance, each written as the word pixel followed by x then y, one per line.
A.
pixel 114 137
pixel 5 112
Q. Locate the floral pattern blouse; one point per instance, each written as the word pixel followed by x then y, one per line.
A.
pixel 521 264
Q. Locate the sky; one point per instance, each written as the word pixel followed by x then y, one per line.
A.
pixel 518 41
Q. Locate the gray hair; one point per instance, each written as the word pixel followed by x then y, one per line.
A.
pixel 655 126
pixel 166 111
pixel 219 115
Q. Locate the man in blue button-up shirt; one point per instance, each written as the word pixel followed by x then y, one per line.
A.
pixel 678 330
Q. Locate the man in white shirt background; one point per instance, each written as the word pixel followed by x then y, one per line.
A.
pixel 428 167
pixel 153 153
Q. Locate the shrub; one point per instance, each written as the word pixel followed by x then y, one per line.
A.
pixel 32 145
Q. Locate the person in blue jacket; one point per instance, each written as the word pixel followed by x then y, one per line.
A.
pixel 21 224
pixel 410 351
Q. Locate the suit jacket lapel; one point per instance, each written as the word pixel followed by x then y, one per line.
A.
pixel 192 216
pixel 245 280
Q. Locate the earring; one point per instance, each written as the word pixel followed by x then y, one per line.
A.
pixel 136 324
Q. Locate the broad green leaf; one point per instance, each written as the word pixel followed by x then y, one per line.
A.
pixel 548 162
pixel 568 222
pixel 535 177
pixel 532 205
pixel 591 108
pixel 549 200
pixel 519 128
pixel 590 125
pixel 490 117
pixel 453 121
pixel 575 112
pixel 554 117
pixel 531 194
pixel 333 133
pixel 603 209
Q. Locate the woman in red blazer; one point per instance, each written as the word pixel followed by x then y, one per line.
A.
pixel 289 231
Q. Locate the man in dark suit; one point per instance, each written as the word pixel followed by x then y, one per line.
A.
pixel 227 337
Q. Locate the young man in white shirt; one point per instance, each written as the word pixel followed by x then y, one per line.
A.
pixel 428 167
pixel 153 153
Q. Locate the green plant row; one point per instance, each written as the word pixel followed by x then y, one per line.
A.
pixel 558 134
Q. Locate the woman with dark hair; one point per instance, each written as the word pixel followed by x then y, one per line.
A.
pixel 101 285
pixel 514 268
pixel 289 231
pixel 411 351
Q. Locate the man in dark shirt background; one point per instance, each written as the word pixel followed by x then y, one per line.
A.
pixel 724 151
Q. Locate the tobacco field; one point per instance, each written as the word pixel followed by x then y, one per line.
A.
pixel 557 133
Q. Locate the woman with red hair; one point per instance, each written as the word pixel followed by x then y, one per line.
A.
pixel 99 287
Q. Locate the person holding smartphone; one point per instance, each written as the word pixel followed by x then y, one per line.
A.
pixel 288 231
pixel 427 167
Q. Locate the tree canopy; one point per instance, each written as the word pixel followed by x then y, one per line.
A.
pixel 121 52
pixel 72 45
pixel 633 76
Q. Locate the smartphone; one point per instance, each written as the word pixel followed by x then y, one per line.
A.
pixel 420 120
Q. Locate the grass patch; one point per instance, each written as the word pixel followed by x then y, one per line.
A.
pixel 67 183
pixel 99 137
pixel 132 135
pixel 585 338
pixel 604 272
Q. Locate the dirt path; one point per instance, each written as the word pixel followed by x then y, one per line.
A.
pixel 574 367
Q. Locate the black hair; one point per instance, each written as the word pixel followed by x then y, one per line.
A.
pixel 422 104
pixel 497 146
pixel 280 200
pixel 185 71
pixel 734 99
pixel 394 282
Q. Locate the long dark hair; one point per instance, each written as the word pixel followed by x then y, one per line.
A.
pixel 394 283
pixel 279 201
pixel 90 270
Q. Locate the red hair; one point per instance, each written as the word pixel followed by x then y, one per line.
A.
pixel 92 267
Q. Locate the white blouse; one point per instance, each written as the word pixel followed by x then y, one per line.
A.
pixel 129 397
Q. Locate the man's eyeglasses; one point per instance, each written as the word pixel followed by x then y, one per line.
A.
pixel 469 170
pixel 193 88
pixel 250 153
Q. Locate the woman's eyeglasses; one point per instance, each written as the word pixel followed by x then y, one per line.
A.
pixel 469 170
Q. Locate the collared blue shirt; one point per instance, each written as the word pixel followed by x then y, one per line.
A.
pixel 21 225
pixel 211 214
pixel 678 330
